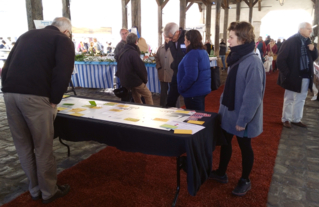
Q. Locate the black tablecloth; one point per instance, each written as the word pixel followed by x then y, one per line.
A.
pixel 198 147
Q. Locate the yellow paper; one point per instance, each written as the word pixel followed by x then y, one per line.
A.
pixel 96 107
pixel 110 104
pixel 123 106
pixel 116 110
pixel 77 110
pixel 196 122
pixel 77 114
pixel 182 112
pixel 131 119
pixel 65 96
pixel 183 131
pixel 159 119
pixel 61 108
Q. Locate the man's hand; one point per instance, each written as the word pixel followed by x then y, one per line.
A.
pixel 238 128
pixel 311 47
pixel 53 105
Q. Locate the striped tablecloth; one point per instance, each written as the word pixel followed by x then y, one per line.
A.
pixel 102 75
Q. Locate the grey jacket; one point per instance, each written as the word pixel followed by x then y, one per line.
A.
pixel 250 89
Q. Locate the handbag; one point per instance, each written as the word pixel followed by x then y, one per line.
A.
pixel 121 92
pixel 215 78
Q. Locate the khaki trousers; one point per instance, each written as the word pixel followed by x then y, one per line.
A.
pixel 31 121
pixel 142 90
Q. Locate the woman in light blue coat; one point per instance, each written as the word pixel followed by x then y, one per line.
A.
pixel 241 106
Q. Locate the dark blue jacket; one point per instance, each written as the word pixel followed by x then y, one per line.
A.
pixel 194 76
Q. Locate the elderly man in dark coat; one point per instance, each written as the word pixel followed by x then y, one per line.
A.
pixel 132 72
pixel 34 79
pixel 295 64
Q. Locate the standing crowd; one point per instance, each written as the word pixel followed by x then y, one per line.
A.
pixel 33 89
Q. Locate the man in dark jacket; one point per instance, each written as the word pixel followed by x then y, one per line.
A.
pixel 295 63
pixel 120 45
pixel 178 50
pixel 222 52
pixel 34 78
pixel 132 72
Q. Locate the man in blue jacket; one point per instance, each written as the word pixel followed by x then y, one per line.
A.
pixel 178 50
pixel 295 64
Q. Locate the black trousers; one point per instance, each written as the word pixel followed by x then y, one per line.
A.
pixel 246 153
pixel 173 93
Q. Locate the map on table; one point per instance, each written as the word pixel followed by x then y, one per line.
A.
pixel 139 115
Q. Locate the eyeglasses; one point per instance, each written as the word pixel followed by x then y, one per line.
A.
pixel 170 38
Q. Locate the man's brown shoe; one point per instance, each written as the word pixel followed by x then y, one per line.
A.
pixel 286 124
pixel 62 191
pixel 299 124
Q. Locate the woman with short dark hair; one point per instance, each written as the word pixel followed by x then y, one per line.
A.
pixel 193 76
pixel 241 104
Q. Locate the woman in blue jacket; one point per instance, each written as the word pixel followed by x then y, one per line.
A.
pixel 193 76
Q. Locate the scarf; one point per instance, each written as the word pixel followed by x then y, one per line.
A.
pixel 234 56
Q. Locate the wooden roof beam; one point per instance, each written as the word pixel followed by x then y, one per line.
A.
pixel 256 1
pixel 164 3
pixel 189 5
pixel 126 1
pixel 259 5
pixel 200 7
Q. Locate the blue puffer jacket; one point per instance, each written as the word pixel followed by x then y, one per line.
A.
pixel 194 75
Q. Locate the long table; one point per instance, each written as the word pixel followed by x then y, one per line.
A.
pixel 198 147
pixel 102 75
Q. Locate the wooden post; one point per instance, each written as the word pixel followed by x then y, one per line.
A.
pixel 34 12
pixel 66 9
pixel 251 11
pixel 136 15
pixel 160 21
pixel 182 14
pixel 217 24
pixel 316 20
pixel 238 3
pixel 208 20
pixel 124 14
pixel 226 11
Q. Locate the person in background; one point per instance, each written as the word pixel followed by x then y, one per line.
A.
pixel 278 44
pixel 132 72
pixel 222 53
pixel 164 60
pixel 99 47
pixel 109 47
pixel 194 75
pixel 272 51
pixel 261 46
pixel 32 91
pixel 178 49
pixel 120 45
pixel 208 46
pixel 241 104
pixel 267 40
pixel 295 63
pixel 3 45
pixel 86 44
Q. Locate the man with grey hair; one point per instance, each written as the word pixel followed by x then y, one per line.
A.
pixel 295 64
pixel 177 46
pixel 132 72
pixel 123 32
pixel 34 79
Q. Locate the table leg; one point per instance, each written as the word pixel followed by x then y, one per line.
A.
pixel 66 146
pixel 178 170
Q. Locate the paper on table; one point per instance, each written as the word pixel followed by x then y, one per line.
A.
pixel 110 104
pixel 196 122
pixel 77 110
pixel 183 125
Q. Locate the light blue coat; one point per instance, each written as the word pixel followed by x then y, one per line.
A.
pixel 250 89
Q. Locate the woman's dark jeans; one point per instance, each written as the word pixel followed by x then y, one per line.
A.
pixel 195 103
